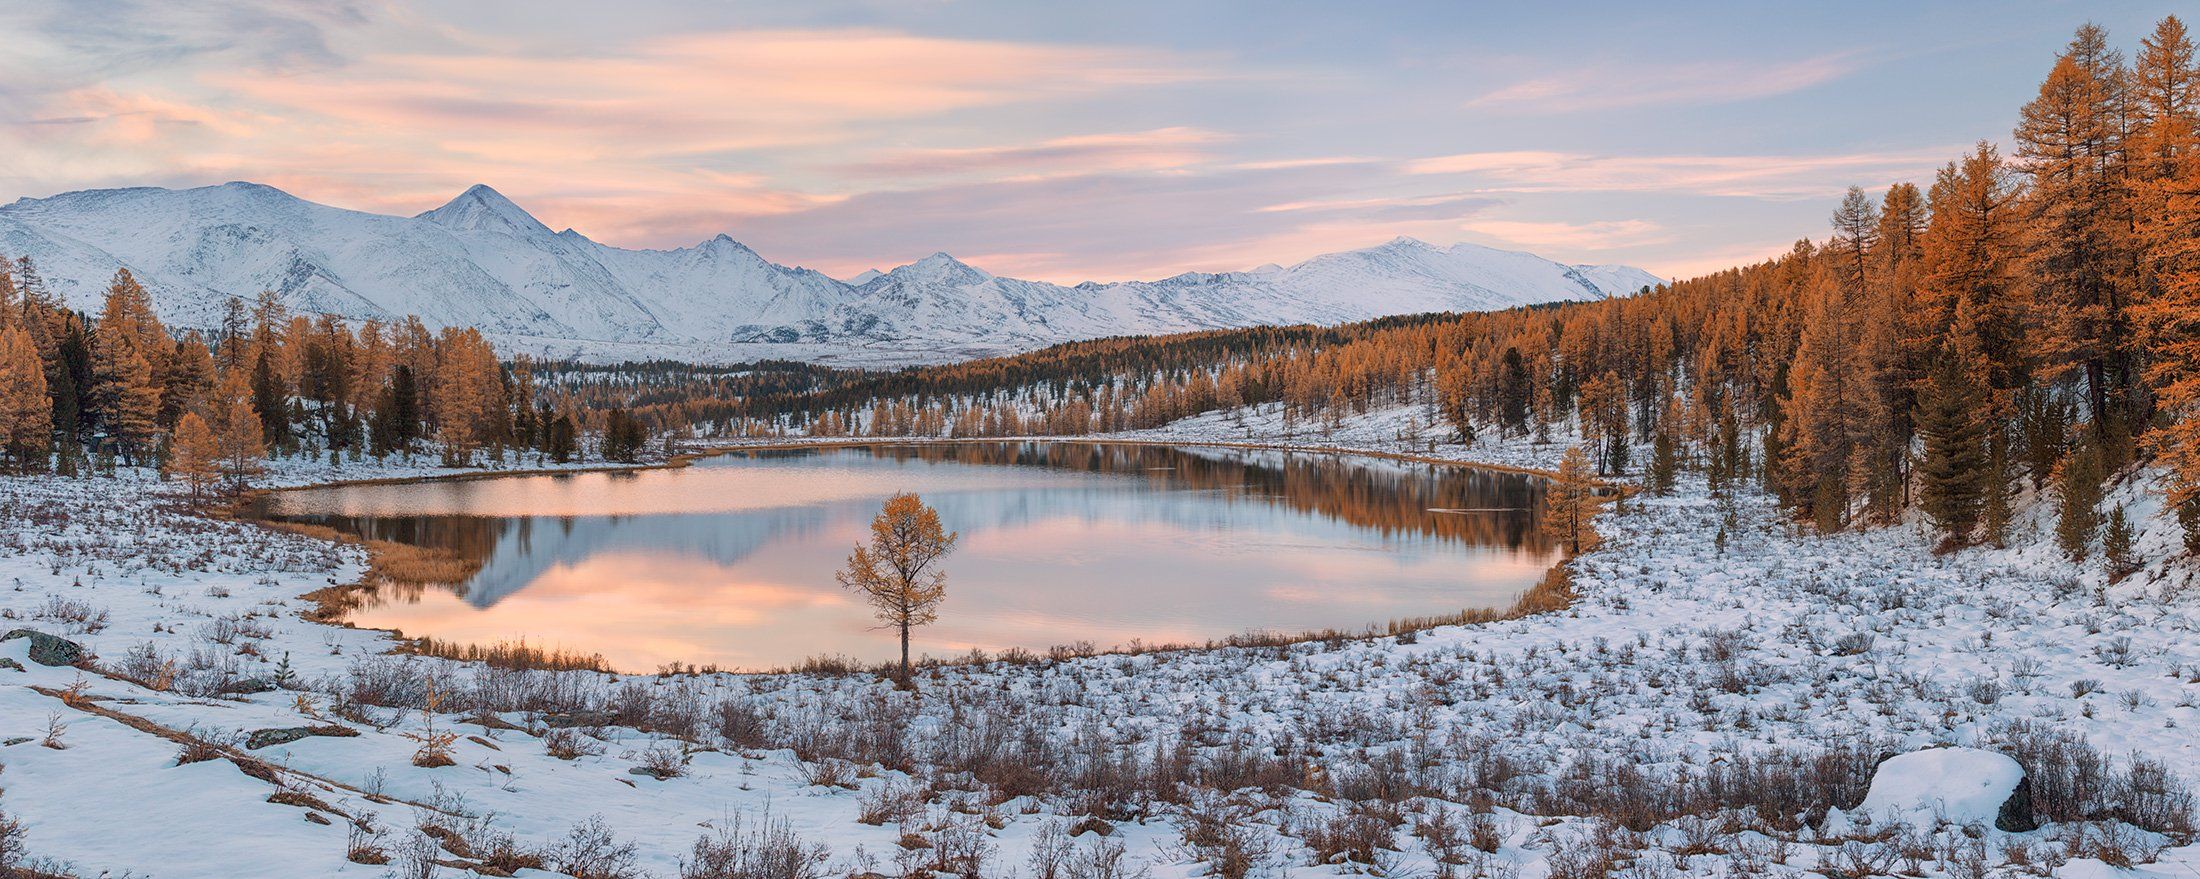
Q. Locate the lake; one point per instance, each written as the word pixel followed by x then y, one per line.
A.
pixel 730 561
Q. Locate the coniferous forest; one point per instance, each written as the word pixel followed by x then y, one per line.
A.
pixel 2028 321
pixel 1877 556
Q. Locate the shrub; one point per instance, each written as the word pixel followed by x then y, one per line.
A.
pixel 591 851
pixel 766 850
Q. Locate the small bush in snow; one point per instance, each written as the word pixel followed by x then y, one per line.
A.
pixel 590 851
pixel 766 850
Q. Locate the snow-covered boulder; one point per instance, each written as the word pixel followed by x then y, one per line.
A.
pixel 1961 785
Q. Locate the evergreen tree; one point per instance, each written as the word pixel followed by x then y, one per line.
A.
pixel 2070 143
pixel 1664 460
pixel 125 393
pixel 562 440
pixel 1514 393
pixel 269 398
pixel 2078 499
pixel 1952 477
pixel 2119 545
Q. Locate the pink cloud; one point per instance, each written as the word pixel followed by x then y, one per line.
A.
pixel 1760 176
pixel 1667 82
pixel 1156 150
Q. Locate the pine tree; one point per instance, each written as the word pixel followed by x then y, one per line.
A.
pixel 239 434
pixel 1824 415
pixel 269 396
pixel 562 441
pixel 2165 100
pixel 1514 394
pixel 2119 545
pixel 1970 252
pixel 125 393
pixel 1664 460
pixel 2167 316
pixel 1952 477
pixel 2078 500
pixel 190 377
pixel 193 455
pixel 26 413
pixel 1889 361
pixel 69 383
pixel 2070 143
pixel 1570 504
pixel 469 397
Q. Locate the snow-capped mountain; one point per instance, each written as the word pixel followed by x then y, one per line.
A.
pixel 482 261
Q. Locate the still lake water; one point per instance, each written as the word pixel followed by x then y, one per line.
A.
pixel 730 561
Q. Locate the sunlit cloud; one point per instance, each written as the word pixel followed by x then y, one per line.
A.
pixel 1572 237
pixel 1744 176
pixel 1666 82
pixel 847 136
pixel 1155 150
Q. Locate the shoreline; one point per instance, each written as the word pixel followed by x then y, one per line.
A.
pixel 332 604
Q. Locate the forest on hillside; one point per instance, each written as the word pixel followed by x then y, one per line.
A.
pixel 86 391
pixel 2021 320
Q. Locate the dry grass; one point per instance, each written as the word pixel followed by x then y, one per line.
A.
pixel 388 563
pixel 515 655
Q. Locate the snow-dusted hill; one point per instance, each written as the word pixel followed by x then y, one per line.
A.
pixel 483 261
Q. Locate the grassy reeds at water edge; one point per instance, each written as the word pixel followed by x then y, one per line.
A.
pixel 517 655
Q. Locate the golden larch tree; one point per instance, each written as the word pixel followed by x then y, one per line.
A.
pixel 896 572
pixel 193 455
pixel 26 414
pixel 1570 504
pixel 239 439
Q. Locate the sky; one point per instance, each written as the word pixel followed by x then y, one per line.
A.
pixel 1054 141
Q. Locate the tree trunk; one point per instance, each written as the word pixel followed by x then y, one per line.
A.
pixel 905 652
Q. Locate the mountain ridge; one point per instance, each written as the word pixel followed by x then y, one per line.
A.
pixel 482 260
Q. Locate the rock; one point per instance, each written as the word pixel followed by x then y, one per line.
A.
pixel 1964 786
pixel 1093 825
pixel 243 686
pixel 49 649
pixel 2016 812
pixel 268 738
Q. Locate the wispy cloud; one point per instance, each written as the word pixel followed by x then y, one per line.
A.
pixel 698 94
pixel 1404 207
pixel 1159 149
pixel 1567 237
pixel 1747 176
pixel 1664 83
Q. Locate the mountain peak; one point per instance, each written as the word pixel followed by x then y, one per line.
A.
pixel 481 208
pixel 942 267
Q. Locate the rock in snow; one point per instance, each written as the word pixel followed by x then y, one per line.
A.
pixel 1962 785
pixel 484 262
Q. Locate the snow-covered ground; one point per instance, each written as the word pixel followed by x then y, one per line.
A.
pixel 1715 657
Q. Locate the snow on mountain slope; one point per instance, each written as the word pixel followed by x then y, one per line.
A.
pixel 482 261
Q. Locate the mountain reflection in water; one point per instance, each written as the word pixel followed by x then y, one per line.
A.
pixel 730 561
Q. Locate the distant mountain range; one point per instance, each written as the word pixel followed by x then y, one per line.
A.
pixel 482 261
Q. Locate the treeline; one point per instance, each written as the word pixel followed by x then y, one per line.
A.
pixel 2029 320
pixel 80 391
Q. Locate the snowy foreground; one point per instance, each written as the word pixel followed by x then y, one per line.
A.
pixel 1717 673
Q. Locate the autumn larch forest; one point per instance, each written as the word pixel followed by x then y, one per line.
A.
pixel 449 544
